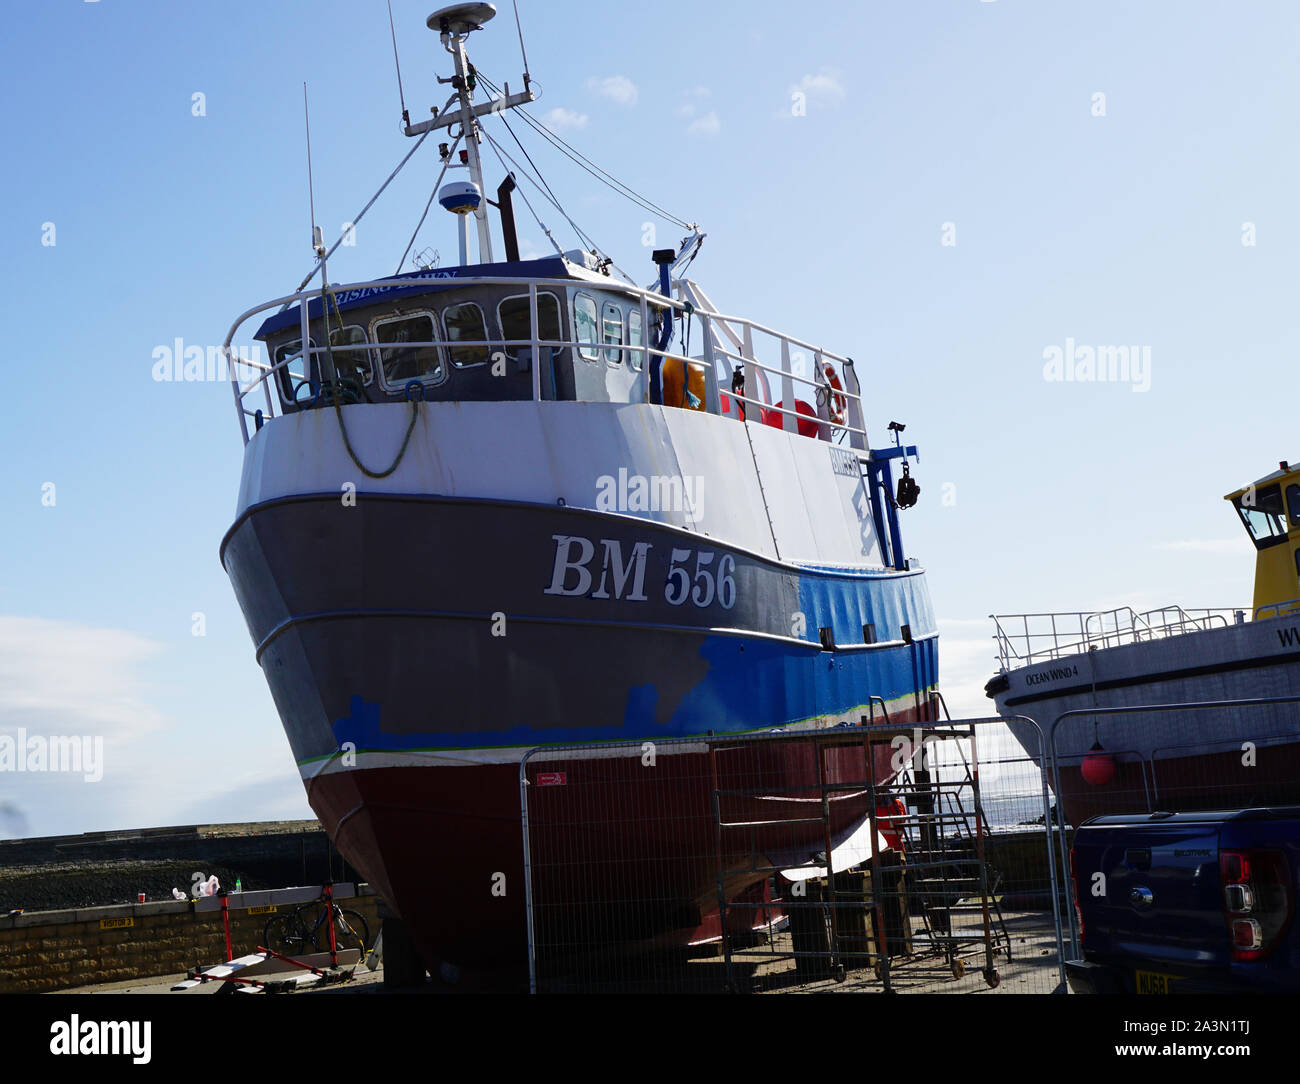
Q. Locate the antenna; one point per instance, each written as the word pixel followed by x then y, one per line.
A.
pixel 527 78
pixel 401 94
pixel 317 238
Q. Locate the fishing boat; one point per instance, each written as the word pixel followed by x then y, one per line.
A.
pixel 1215 721
pixel 515 503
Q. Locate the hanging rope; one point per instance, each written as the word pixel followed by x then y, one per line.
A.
pixel 336 388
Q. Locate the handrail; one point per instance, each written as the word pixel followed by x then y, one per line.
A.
pixel 1041 637
pixel 781 372
pixel 457 344
pixel 1276 607
pixel 265 374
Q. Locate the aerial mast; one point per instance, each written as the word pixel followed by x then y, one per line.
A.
pixel 454 24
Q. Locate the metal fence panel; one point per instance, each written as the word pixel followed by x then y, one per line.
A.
pixel 700 864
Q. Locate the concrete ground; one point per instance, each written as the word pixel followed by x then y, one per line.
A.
pixel 1028 965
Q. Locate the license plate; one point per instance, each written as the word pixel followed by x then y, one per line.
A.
pixel 1153 982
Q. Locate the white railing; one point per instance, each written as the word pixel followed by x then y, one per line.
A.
pixel 1024 639
pixel 1289 608
pixel 738 330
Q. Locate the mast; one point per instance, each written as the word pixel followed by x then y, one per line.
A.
pixel 454 24
pixel 469 125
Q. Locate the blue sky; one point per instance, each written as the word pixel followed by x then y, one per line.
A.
pixel 1122 228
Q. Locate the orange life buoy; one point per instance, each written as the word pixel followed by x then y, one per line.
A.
pixel 838 404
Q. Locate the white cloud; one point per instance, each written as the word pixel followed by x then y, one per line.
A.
pixel 707 125
pixel 824 87
pixel 65 679
pixel 565 118
pixel 617 88
pixel 68 678
pixel 822 90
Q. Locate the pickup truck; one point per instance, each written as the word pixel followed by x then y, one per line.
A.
pixel 1187 902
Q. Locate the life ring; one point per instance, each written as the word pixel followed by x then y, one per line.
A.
pixel 838 401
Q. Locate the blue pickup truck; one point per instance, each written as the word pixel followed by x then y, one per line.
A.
pixel 1174 903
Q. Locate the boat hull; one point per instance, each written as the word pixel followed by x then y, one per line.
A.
pixel 410 689
pixel 1188 758
pixel 613 859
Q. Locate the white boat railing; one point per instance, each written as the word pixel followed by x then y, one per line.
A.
pixel 262 375
pixel 1024 639
pixel 1289 608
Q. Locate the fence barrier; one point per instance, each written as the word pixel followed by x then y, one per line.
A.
pixel 701 864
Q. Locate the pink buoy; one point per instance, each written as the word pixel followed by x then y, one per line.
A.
pixel 1098 767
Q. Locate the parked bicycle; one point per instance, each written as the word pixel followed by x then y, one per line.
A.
pixel 305 929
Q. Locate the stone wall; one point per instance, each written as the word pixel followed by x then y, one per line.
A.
pixel 101 868
pixel 54 950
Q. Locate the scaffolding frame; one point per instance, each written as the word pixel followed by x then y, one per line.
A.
pixel 940 866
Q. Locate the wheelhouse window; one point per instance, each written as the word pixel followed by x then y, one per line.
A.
pixel 1293 504
pixel 292 368
pixel 1262 512
pixel 351 359
pixel 401 364
pixel 635 337
pixel 584 326
pixel 612 332
pixel 513 316
pixel 464 323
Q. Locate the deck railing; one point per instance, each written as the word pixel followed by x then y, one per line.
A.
pixel 1024 639
pixel 248 377
pixel 1289 608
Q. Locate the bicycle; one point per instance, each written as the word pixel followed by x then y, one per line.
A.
pixel 295 933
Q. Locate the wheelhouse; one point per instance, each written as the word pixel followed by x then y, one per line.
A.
pixel 466 334
pixel 1269 509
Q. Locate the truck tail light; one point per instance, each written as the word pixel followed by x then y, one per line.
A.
pixel 1074 896
pixel 1257 902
